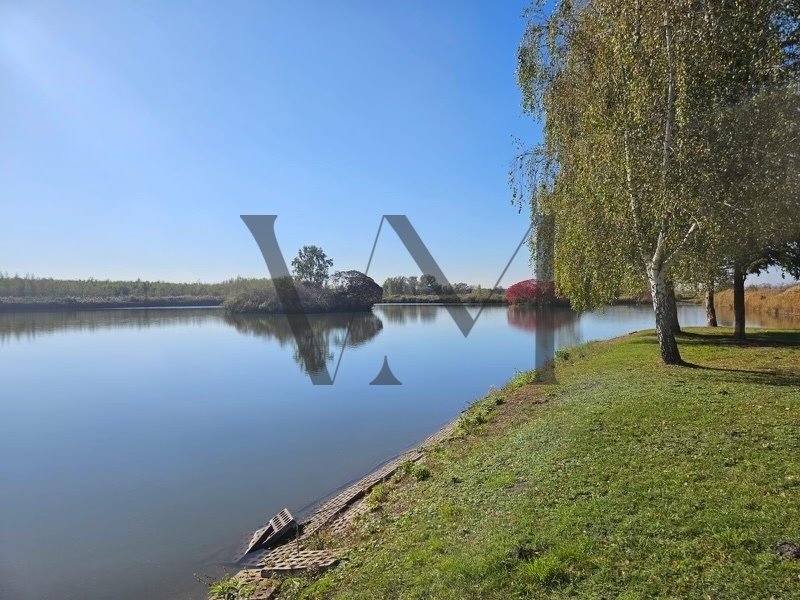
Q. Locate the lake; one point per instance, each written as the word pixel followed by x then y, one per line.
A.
pixel 139 447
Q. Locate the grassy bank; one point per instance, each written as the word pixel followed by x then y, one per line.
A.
pixel 626 479
pixel 768 300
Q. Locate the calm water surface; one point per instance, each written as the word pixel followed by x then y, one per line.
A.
pixel 138 447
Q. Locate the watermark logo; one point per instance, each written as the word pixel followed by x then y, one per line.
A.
pixel 262 227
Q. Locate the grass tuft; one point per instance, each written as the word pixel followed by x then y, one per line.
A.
pixel 421 472
pixel 377 496
pixel 521 379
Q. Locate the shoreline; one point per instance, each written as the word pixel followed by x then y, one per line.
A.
pixel 366 529
pixel 330 514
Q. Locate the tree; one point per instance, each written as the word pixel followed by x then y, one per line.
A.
pixel 388 289
pixel 760 180
pixel 784 255
pixel 413 285
pixel 428 285
pixel 356 290
pixel 750 128
pixel 627 89
pixel 311 266
pixel 711 311
pixel 530 291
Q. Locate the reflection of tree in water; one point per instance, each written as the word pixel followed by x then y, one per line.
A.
pixel 318 334
pixel 546 322
pixel 531 318
pixel 28 325
pixel 409 313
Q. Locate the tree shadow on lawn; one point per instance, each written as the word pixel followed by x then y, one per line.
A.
pixel 761 339
pixel 780 378
pixel 765 339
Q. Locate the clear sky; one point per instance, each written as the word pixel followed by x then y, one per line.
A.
pixel 134 134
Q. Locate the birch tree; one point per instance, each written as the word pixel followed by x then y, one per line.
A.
pixel 628 90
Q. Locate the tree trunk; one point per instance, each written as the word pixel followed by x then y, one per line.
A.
pixel 672 308
pixel 711 313
pixel 664 325
pixel 738 303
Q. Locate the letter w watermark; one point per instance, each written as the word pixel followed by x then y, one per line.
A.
pixel 263 229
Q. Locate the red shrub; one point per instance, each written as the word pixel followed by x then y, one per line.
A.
pixel 530 291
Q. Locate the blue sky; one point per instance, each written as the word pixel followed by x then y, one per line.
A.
pixel 136 133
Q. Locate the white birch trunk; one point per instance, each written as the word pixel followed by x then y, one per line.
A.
pixel 657 276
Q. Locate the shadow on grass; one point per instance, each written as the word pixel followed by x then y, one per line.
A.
pixel 762 339
pixel 778 378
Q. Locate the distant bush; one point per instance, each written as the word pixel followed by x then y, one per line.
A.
pixel 354 290
pixel 531 291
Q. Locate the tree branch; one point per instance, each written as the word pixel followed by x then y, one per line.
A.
pixel 681 244
pixel 670 108
pixel 634 205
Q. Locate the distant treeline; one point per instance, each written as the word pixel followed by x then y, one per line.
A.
pixel 45 292
pixel 347 291
pixel 238 294
pixel 37 292
pixel 427 289
pixel 38 287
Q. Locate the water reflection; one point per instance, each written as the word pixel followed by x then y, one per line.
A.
pixel 409 313
pixel 155 424
pixel 314 346
pixel 16 326
pixel 547 323
pixel 536 319
pixel 325 333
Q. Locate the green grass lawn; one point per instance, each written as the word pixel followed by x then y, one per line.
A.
pixel 626 479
